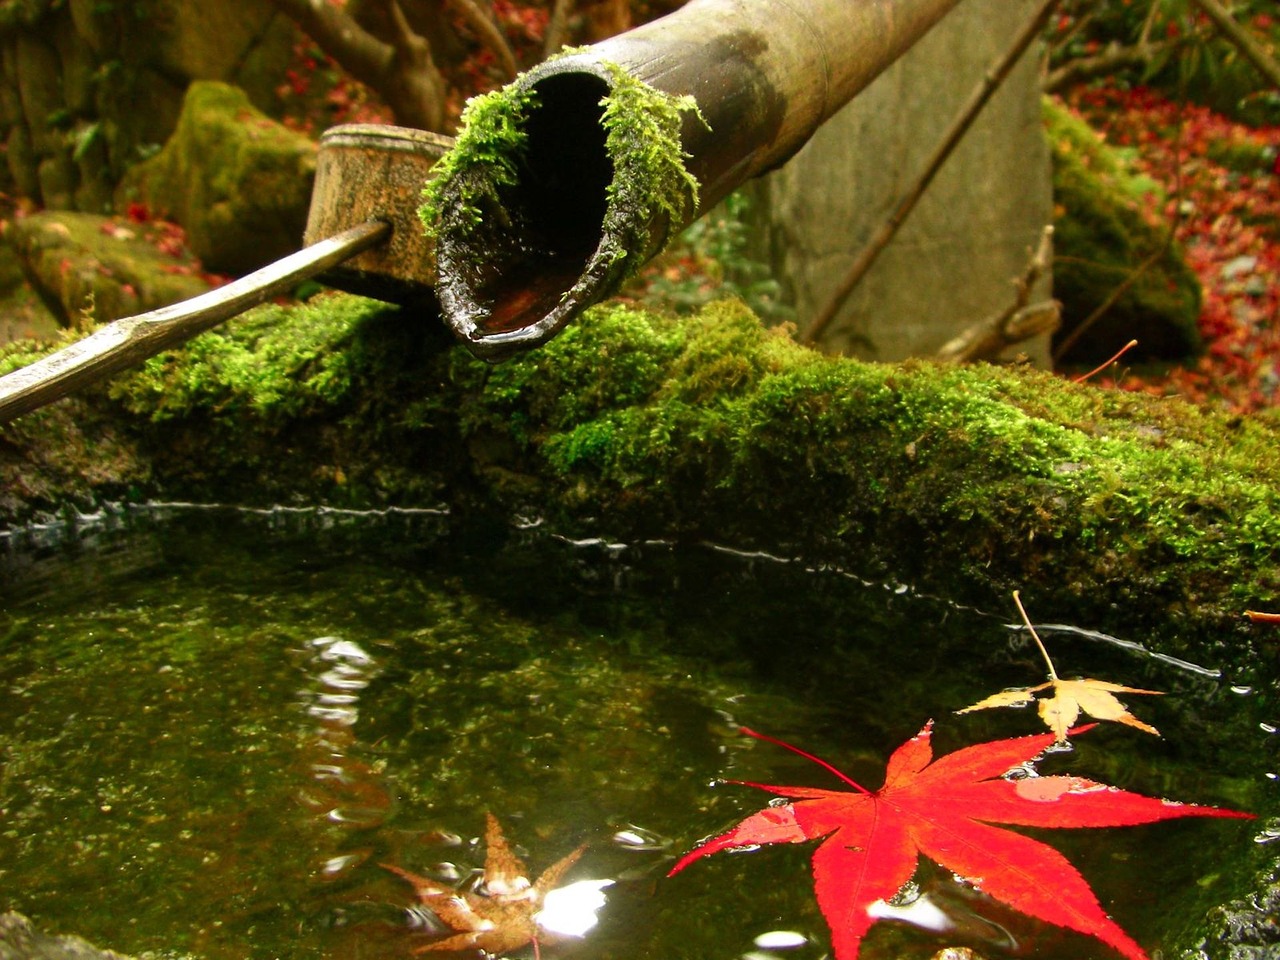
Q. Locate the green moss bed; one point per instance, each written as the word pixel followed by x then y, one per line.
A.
pixel 1147 517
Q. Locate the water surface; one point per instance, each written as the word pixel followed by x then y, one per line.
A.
pixel 217 724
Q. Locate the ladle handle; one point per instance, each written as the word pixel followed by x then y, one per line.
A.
pixel 130 340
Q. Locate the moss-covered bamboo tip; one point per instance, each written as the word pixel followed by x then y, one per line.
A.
pixel 483 159
pixel 559 187
pixel 642 127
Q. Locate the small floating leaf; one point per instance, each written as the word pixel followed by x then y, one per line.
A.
pixel 1096 698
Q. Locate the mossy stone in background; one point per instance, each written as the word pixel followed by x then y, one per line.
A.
pixel 22 313
pixel 99 84
pixel 1101 239
pixel 81 263
pixel 19 940
pixel 239 182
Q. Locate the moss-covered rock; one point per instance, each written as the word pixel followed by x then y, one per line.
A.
pixel 22 313
pixel 81 263
pixel 972 481
pixel 19 940
pixel 1135 515
pixel 1247 928
pixel 92 86
pixel 239 182
pixel 1102 241
pixel 69 456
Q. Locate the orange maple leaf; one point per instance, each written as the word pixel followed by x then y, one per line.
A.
pixel 1070 697
pixel 501 917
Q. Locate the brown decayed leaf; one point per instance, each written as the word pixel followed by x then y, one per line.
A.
pixel 502 918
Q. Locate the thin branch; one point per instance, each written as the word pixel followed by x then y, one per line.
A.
pixel 1114 57
pixel 959 127
pixel 1148 24
pixel 1120 289
pixel 1242 39
pixel 489 34
pixel 1078 27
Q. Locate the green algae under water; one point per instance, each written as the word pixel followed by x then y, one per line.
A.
pixel 218 723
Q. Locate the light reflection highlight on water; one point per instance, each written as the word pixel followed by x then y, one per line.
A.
pixel 570 911
pixel 343 790
pixel 780 940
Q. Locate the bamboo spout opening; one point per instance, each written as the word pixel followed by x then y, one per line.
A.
pixel 513 279
pixel 567 169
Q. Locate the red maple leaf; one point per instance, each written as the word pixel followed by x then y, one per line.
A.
pixel 944 810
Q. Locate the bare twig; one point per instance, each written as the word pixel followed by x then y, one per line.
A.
pixel 1148 24
pixel 1114 57
pixel 1018 322
pixel 1078 27
pixel 991 82
pixel 987 339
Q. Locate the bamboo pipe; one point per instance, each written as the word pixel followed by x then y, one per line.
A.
pixel 765 74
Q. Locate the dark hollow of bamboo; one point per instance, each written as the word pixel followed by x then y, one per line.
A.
pixel 766 74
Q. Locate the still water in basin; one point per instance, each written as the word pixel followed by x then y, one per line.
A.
pixel 217 724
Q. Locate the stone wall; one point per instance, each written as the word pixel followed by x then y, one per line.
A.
pixel 89 87
pixel 953 262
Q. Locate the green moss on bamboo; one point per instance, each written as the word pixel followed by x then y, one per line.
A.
pixel 466 181
pixel 642 139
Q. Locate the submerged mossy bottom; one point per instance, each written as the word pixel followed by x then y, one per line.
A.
pixel 216 731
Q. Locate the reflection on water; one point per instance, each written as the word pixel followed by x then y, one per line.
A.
pixel 342 789
pixel 212 739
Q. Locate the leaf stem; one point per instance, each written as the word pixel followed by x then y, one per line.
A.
pixel 808 756
pixel 1053 674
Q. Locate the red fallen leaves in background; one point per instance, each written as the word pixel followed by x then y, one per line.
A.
pixel 1229 224
pixel 944 809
